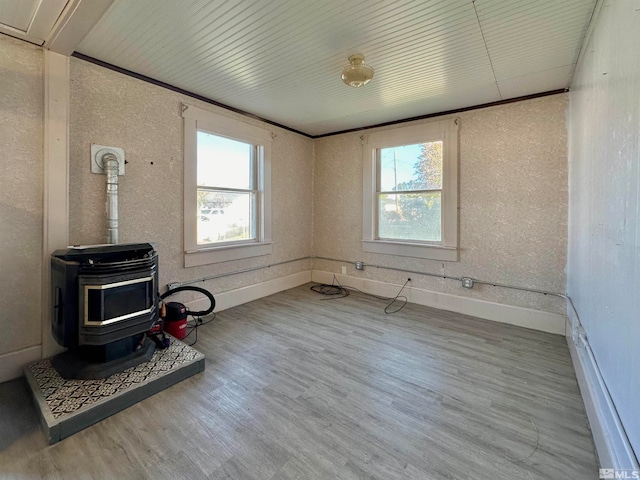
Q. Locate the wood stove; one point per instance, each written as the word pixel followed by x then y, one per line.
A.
pixel 105 299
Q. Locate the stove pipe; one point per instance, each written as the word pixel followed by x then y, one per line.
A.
pixel 110 164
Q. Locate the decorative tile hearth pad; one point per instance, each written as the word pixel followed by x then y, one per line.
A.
pixel 68 406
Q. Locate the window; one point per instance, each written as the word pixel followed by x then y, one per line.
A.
pixel 227 188
pixel 410 191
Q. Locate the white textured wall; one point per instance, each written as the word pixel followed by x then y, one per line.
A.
pixel 21 124
pixel 512 191
pixel 112 109
pixel 512 200
pixel 604 227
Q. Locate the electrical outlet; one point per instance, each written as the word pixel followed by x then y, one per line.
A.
pixel 359 266
pixel 467 282
pixel 344 270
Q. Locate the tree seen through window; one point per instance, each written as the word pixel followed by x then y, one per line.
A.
pixel 410 192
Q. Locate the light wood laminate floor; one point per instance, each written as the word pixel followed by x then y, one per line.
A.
pixel 299 387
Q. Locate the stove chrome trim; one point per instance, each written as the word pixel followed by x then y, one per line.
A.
pixel 90 323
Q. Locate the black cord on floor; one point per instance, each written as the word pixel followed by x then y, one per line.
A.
pixel 337 290
pixel 397 297
pixel 193 327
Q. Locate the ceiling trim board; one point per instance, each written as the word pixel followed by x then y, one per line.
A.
pixel 181 91
pixel 18 35
pixel 44 18
pixel 75 22
pixel 448 112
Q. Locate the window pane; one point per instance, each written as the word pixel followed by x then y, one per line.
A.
pixel 411 167
pixel 225 216
pixel 223 162
pixel 410 216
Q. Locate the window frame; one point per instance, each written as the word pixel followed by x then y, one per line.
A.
pixel 445 131
pixel 197 119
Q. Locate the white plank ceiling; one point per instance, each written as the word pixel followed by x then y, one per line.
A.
pixel 280 59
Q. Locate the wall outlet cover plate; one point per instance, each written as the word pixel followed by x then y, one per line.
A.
pixel 467 282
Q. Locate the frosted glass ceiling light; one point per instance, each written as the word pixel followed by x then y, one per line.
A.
pixel 356 74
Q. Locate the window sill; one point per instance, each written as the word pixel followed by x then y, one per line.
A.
pixel 415 250
pixel 226 253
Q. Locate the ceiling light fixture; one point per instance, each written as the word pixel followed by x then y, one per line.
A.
pixel 356 74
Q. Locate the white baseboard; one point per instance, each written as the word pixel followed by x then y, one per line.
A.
pixel 612 444
pixel 13 363
pixel 236 297
pixel 522 317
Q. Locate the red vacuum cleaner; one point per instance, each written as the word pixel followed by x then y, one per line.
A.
pixel 175 322
pixel 174 315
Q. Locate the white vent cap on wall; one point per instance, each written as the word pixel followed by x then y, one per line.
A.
pixel 97 155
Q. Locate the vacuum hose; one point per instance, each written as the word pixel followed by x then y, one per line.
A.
pixel 191 288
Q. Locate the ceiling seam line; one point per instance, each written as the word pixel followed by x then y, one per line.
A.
pixel 586 38
pixel 475 10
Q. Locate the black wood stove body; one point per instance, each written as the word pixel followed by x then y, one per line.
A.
pixel 105 299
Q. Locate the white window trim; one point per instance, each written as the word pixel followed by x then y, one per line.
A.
pixel 198 119
pixel 445 130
